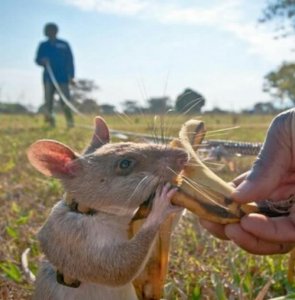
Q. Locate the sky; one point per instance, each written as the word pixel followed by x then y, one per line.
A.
pixel 138 49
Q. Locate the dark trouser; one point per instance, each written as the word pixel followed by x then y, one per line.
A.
pixel 50 90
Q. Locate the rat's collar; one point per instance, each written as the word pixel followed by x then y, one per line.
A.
pixel 67 281
pixel 141 213
pixel 78 207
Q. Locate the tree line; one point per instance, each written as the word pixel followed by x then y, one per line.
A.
pixel 189 102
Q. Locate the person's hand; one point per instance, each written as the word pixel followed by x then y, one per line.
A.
pixel 72 81
pixel 44 61
pixel 271 177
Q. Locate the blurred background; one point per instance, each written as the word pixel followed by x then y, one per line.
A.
pixel 229 62
pixel 137 50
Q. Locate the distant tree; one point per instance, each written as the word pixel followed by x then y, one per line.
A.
pixel 282 11
pixel 264 108
pixel 281 82
pixel 81 89
pixel 159 105
pixel 218 111
pixel 107 109
pixel 89 106
pixel 131 107
pixel 189 102
pixel 13 108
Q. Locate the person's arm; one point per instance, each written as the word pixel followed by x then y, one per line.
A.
pixel 70 63
pixel 41 58
pixel 271 177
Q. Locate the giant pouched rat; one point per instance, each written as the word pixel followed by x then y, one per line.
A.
pixel 85 238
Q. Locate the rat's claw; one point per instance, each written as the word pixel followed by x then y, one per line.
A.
pixel 171 193
pixel 165 189
pixel 168 191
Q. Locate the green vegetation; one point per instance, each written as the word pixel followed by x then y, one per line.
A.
pixel 202 267
pixel 280 83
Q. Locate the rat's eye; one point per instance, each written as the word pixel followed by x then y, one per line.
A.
pixel 125 166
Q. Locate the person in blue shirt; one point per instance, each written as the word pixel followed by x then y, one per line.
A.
pixel 56 54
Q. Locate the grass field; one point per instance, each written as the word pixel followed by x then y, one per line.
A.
pixel 201 267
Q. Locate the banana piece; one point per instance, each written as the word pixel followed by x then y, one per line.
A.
pixel 200 190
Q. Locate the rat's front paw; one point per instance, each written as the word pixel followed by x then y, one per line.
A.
pixel 162 205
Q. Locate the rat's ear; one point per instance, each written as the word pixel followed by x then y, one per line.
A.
pixel 52 158
pixel 100 136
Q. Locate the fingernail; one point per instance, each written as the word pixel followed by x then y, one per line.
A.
pixel 175 187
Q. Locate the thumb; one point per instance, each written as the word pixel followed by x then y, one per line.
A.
pixel 270 167
pixel 250 191
pixel 264 177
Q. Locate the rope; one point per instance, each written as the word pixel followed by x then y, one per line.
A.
pixel 58 89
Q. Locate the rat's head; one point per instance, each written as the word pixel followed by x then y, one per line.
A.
pixel 110 177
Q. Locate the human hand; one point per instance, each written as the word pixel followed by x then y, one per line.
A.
pixel 271 177
pixel 44 61
pixel 72 81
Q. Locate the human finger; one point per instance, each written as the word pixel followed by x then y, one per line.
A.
pixel 283 192
pixel 214 228
pixel 273 161
pixel 238 180
pixel 276 230
pixel 252 243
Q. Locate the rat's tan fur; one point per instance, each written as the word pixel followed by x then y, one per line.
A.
pixel 95 249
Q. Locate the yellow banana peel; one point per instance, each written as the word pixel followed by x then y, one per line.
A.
pixel 201 190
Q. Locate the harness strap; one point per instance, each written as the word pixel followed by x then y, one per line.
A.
pixel 67 281
pixel 78 207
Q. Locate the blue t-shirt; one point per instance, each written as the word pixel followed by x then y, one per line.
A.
pixel 60 57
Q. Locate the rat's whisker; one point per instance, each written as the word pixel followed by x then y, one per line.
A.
pixel 214 164
pixel 223 129
pixel 191 107
pixel 194 187
pixel 193 164
pixel 186 112
pixel 155 129
pixel 125 118
pixel 137 187
pixel 143 89
pixel 212 133
pixel 200 188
